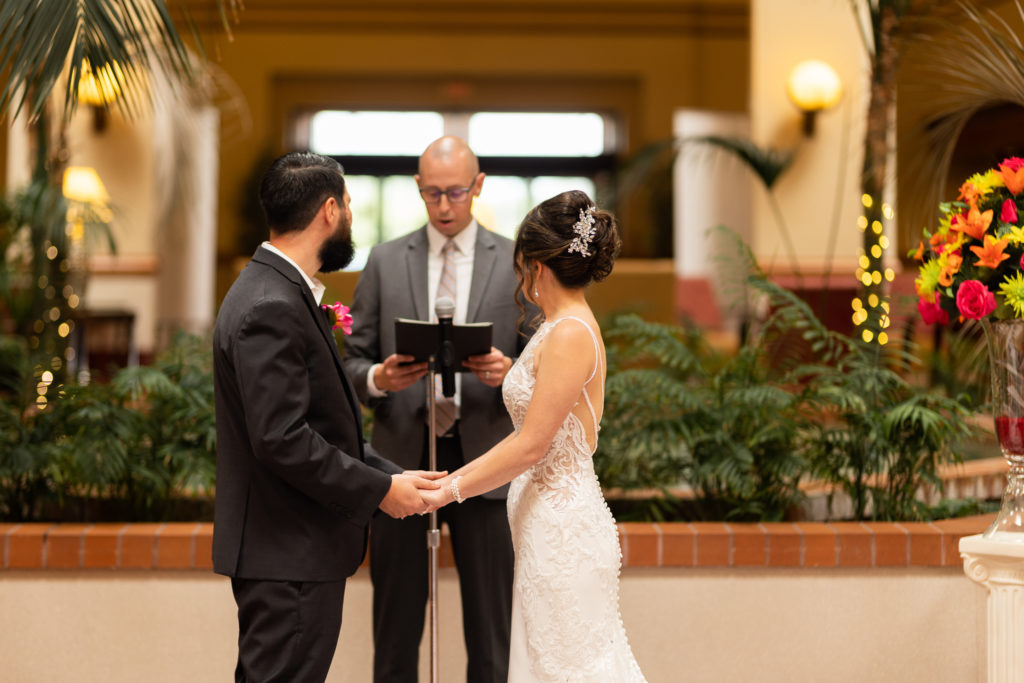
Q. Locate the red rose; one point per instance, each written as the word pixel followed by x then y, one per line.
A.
pixel 1008 213
pixel 974 300
pixel 1013 163
pixel 931 312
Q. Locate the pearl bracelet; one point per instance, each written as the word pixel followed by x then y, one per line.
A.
pixel 454 488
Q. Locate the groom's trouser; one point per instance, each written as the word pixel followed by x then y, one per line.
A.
pixel 287 630
pixel 482 546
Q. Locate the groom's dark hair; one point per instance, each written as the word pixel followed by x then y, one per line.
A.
pixel 295 187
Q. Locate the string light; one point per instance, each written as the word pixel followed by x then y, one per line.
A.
pixel 873 318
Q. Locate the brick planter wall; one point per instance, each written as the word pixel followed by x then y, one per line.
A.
pixel 675 544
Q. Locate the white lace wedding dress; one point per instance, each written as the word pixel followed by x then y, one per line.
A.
pixel 565 607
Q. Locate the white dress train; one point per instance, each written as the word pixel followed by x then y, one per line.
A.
pixel 566 624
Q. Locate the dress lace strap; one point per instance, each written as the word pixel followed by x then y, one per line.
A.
pixel 597 363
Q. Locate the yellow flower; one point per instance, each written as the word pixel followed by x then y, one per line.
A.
pixel 987 181
pixel 927 282
pixel 1012 289
pixel 1015 234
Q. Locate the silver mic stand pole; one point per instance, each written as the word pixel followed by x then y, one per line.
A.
pixel 433 532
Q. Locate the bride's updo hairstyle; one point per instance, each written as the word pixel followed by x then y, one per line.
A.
pixel 569 235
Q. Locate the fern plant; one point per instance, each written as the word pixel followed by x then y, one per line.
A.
pixel 795 402
pixel 678 413
pixel 873 434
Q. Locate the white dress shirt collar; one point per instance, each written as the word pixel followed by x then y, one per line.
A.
pixel 315 286
pixel 465 240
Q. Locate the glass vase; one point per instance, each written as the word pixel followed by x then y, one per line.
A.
pixel 1006 362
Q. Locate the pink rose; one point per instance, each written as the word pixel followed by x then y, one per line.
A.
pixel 931 312
pixel 1008 213
pixel 1013 163
pixel 341 315
pixel 974 300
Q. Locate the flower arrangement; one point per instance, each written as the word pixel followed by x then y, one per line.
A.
pixel 971 265
pixel 340 316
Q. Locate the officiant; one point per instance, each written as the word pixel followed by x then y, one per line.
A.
pixel 452 256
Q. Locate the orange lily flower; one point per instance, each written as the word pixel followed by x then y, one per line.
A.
pixel 1014 179
pixel 969 193
pixel 991 254
pixel 952 267
pixel 919 254
pixel 975 223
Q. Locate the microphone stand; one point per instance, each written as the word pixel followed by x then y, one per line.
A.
pixel 433 532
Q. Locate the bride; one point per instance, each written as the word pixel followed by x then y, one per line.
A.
pixel 565 613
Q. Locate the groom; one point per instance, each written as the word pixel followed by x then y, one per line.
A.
pixel 296 487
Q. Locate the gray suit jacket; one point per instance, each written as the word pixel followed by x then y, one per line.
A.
pixel 394 285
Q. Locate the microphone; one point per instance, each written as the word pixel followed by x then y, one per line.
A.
pixel 444 309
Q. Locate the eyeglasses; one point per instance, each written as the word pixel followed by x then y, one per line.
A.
pixel 456 195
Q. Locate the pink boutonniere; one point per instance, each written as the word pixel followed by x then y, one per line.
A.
pixel 340 316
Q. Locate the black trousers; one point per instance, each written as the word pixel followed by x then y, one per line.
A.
pixel 287 630
pixel 482 546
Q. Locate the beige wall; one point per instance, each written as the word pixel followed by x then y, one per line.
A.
pixel 819 195
pixel 769 626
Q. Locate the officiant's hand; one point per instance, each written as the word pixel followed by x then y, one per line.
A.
pixel 391 375
pixel 490 368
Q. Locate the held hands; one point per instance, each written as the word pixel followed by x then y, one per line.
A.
pixel 490 368
pixel 391 375
pixel 439 497
pixel 404 498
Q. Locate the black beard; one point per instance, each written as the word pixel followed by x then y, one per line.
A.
pixel 337 252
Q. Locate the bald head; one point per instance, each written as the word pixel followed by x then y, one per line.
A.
pixel 450 151
pixel 449 164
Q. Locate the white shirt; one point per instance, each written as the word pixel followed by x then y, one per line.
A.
pixel 315 285
pixel 465 249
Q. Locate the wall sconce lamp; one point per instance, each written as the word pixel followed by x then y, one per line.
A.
pixel 813 86
pixel 99 89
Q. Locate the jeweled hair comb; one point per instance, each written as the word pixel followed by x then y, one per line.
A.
pixel 584 229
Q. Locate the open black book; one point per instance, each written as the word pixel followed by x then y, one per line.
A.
pixel 422 339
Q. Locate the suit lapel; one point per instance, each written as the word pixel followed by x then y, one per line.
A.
pixel 328 334
pixel 484 257
pixel 416 268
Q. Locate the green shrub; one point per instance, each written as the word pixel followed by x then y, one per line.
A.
pixel 138 445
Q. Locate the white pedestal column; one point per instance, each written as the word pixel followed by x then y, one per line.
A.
pixel 999 567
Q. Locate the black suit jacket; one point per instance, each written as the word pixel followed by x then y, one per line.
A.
pixel 295 488
pixel 394 284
